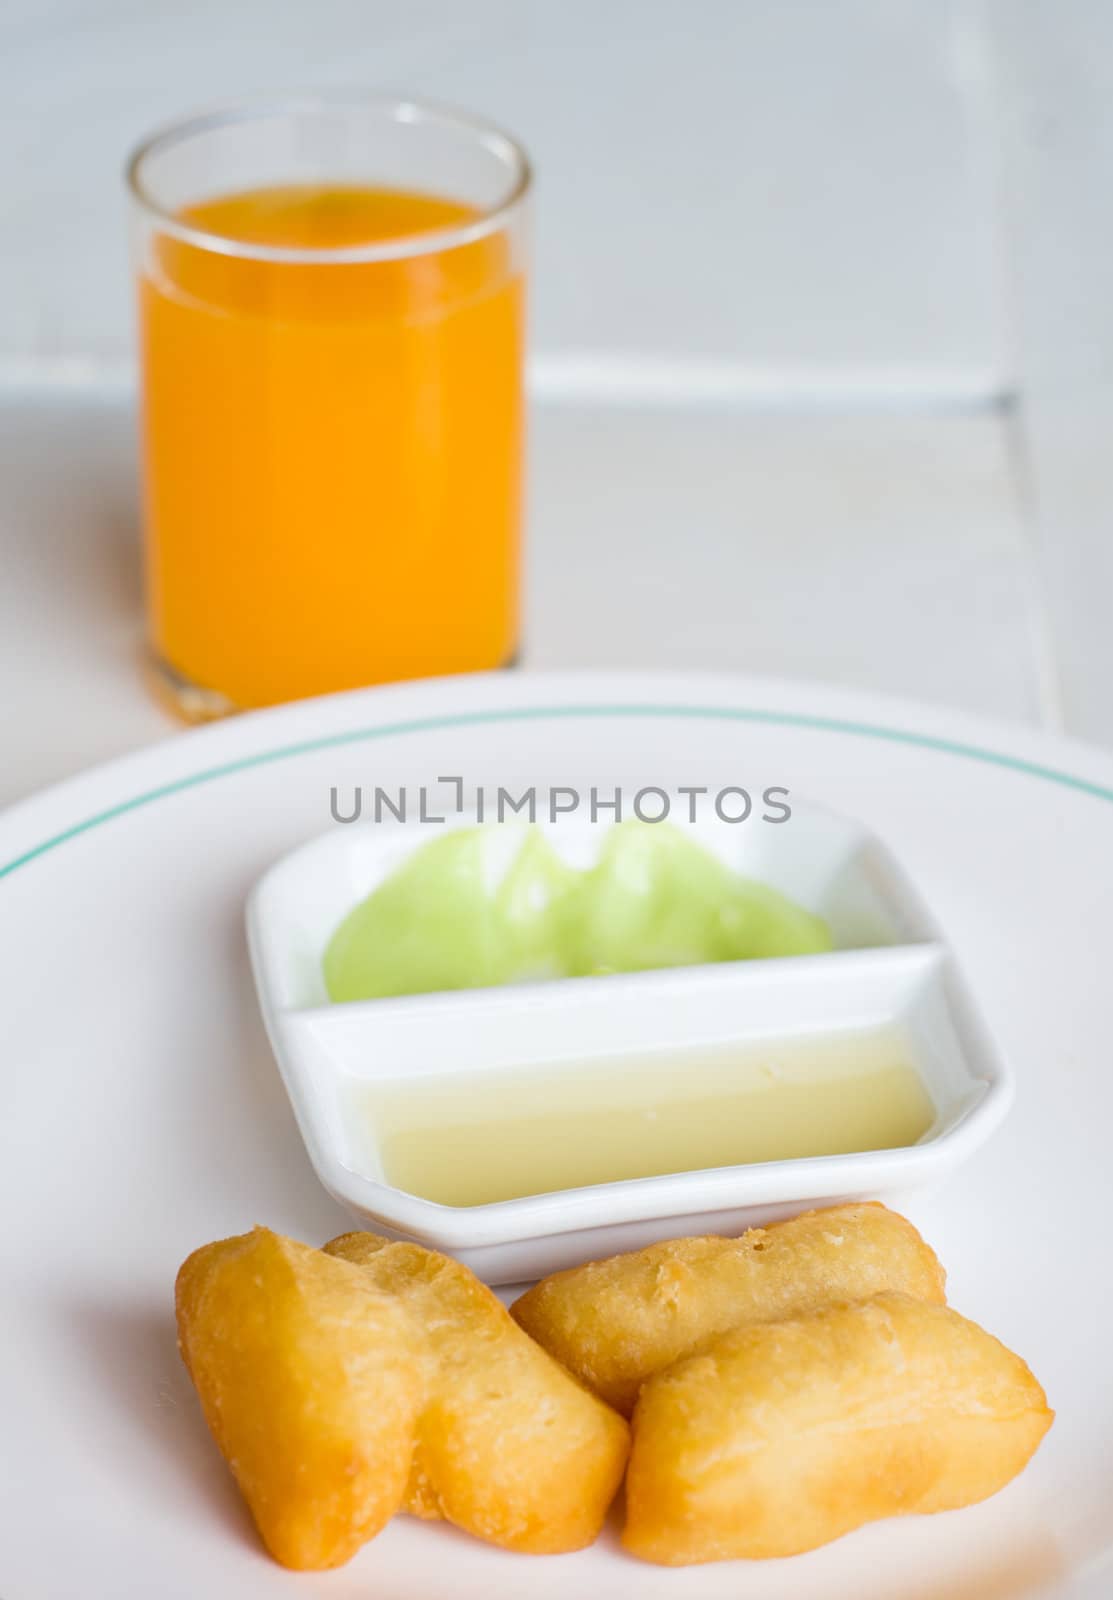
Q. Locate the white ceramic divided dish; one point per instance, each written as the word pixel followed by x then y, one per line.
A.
pixel 891 969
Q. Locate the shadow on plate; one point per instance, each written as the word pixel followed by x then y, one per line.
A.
pixel 133 1352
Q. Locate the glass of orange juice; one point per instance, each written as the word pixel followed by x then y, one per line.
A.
pixel 331 306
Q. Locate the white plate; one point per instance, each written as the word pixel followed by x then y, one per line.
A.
pixel 142 1114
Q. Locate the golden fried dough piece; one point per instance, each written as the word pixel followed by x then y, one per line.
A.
pixel 616 1322
pixel 509 1446
pixel 785 1435
pixel 309 1385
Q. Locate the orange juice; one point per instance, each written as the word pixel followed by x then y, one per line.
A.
pixel 332 447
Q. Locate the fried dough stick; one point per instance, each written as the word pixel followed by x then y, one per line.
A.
pixel 785 1435
pixel 310 1386
pixel 614 1323
pixel 510 1447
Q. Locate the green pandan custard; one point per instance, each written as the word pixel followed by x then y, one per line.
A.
pixel 449 918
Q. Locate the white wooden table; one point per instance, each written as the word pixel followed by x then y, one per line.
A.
pixel 800 371
pixel 878 551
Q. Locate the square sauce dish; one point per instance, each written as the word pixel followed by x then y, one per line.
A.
pixel 534 1124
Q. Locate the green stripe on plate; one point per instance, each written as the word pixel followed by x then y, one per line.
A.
pixel 784 719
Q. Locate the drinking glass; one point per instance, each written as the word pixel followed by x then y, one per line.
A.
pixel 331 309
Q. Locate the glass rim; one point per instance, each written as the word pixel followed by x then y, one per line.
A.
pixel 401 109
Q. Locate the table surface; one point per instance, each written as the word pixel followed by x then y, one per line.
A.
pixel 881 551
pixel 822 337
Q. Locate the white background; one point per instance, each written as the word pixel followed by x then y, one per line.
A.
pixel 823 338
